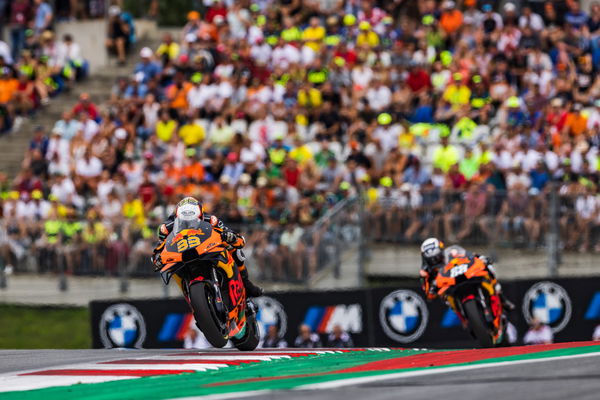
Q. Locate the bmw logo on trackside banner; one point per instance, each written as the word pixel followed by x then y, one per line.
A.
pixel 549 303
pixel 270 312
pixel 403 315
pixel 122 325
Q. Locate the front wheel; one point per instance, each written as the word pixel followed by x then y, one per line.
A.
pixel 477 323
pixel 207 321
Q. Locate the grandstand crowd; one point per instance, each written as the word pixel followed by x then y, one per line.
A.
pixel 446 118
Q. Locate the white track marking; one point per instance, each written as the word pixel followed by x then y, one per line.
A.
pixel 226 396
pixel 148 367
pixel 16 383
pixel 216 357
pixel 440 370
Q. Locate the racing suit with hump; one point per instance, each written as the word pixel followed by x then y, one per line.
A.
pixel 233 239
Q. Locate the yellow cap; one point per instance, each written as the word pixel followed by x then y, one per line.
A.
pixel 364 26
pixel 36 194
pixel 512 102
pixel 301 120
pixel 386 181
pixel 384 119
pixel 349 19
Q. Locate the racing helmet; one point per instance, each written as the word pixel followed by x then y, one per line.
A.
pixel 432 251
pixel 189 209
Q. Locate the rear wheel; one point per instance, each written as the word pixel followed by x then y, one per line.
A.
pixel 205 315
pixel 252 337
pixel 477 323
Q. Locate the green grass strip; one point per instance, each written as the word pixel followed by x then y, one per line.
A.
pixel 34 327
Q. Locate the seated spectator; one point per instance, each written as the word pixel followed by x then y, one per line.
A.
pixel 194 338
pixel 596 334
pixel 146 68
pixel 306 338
pixel 538 333
pixel 8 90
pixel 67 127
pixel 273 339
pixel 69 55
pixel 339 339
pixel 117 41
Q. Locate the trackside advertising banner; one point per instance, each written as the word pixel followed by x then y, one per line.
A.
pixel 395 317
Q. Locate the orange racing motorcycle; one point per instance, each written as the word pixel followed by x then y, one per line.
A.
pixel 468 287
pixel 196 257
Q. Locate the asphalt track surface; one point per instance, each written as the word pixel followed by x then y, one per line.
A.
pixel 565 379
pixel 568 378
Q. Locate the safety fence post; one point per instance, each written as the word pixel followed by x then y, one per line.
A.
pixel 552 238
pixel 3 280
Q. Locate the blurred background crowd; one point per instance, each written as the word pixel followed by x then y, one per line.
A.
pixel 35 65
pixel 469 120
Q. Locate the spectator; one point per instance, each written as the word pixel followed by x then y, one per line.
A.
pixel 67 127
pixel 538 333
pixel 43 16
pixel 339 339
pixel 146 68
pixel 117 41
pixel 273 339
pixel 194 339
pixel 596 334
pixel 306 338
pixel 69 55
pixel 20 12
pixel 85 106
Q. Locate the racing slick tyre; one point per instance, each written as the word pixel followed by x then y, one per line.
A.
pixel 205 315
pixel 252 337
pixel 477 323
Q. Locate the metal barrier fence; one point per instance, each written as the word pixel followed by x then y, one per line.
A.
pixel 277 253
pixel 551 221
pixel 517 219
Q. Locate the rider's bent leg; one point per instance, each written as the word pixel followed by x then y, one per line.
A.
pixel 251 289
pixel 507 304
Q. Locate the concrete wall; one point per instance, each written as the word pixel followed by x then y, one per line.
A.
pixel 91 35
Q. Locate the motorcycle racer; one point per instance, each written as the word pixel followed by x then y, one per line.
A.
pixel 235 241
pixel 433 258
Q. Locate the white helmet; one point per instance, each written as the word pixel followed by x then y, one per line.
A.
pixel 432 251
pixel 189 209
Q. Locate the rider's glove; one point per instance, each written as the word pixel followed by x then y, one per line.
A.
pixel 229 237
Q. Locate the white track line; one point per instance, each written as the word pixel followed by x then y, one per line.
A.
pixel 226 396
pixel 148 367
pixel 12 381
pixel 17 383
pixel 441 370
pixel 215 357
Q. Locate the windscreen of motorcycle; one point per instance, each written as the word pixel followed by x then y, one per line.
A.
pixel 453 252
pixel 187 217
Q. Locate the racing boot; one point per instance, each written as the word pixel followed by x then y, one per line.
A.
pixel 506 303
pixel 251 289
